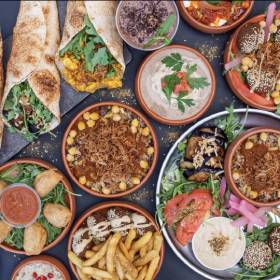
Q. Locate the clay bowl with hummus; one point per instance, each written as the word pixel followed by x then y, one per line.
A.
pixel 37 206
pixel 251 166
pixel 175 85
pixel 215 17
pixel 116 237
pixel 40 267
pixel 110 149
pixel 251 61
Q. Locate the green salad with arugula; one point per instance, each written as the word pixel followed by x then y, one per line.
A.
pixel 26 174
pixel 25 113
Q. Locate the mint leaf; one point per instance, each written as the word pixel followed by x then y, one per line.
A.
pixel 197 83
pixel 173 61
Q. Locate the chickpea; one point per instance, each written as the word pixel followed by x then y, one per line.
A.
pixel 115 109
pixel 135 180
pixel 122 186
pixel 90 123
pixel 244 68
pixel 235 175
pixel 247 61
pixel 117 117
pixel 94 116
pixel 144 164
pixel 108 115
pixel 263 136
pixel 262 23
pixel 146 131
pixel 253 194
pixel 73 133
pixel 278 87
pixel 273 28
pixel 83 180
pixel 86 116
pixel 70 140
pixel 275 94
pixel 73 151
pixel 133 129
pixel 106 190
pixel 135 122
pixel 249 145
pixel 277 22
pixel 70 158
pixel 151 150
pixel 81 125
pixel 278 141
pixel 89 254
pixel 277 100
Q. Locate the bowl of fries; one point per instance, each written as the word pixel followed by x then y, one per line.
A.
pixel 127 246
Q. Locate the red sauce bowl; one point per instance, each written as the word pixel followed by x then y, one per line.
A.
pixel 141 117
pixel 212 29
pixel 107 205
pixel 70 200
pixel 229 162
pixel 234 79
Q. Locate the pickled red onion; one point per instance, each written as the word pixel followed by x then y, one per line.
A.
pixel 269 20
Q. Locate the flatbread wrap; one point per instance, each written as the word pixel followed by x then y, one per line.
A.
pixel 30 103
pixel 90 55
pixel 1 86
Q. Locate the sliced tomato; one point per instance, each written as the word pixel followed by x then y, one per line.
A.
pixel 187 212
pixel 182 87
pixel 181 75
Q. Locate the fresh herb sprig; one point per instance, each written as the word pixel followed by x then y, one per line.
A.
pixel 162 32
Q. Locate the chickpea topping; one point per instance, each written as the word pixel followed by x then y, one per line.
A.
pixel 69 158
pixel 135 180
pixel 253 194
pixel 150 150
pixel 278 87
pixel 135 122
pixel 144 164
pixel 108 115
pixel 278 141
pixel 235 175
pixel 277 22
pixel 73 151
pixel 247 61
pixel 244 68
pixel 146 131
pixel 133 129
pixel 94 116
pixel 106 190
pixel 249 145
pixel 122 186
pixel 86 116
pixel 90 123
pixel 262 23
pixel 115 109
pixel 73 133
pixel 277 100
pixel 69 140
pixel 81 125
pixel 263 136
pixel 83 180
pixel 117 117
pixel 275 94
pixel 273 28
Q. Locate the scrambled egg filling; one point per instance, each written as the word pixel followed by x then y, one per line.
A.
pixel 81 80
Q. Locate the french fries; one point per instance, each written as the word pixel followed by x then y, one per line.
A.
pixel 121 258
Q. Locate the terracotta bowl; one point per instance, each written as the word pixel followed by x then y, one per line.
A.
pixel 110 204
pixel 211 29
pixel 234 80
pixel 157 117
pixel 42 259
pixel 69 199
pixel 228 164
pixel 134 111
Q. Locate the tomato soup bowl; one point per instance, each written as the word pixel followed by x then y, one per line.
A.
pixel 70 200
pixel 154 115
pixel 211 29
pixel 45 260
pixel 155 145
pixel 234 79
pixel 107 205
pixel 229 163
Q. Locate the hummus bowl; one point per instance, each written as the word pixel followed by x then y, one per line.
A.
pixel 175 85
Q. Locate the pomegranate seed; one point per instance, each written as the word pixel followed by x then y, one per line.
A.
pixel 35 275
pixel 50 275
pixel 44 278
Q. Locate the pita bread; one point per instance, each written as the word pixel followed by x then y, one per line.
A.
pixel 102 16
pixel 35 42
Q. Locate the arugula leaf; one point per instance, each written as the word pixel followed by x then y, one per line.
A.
pixel 171 81
pixel 173 61
pixel 162 32
pixel 197 83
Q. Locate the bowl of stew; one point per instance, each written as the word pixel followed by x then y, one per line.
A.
pixel 215 16
pixel 110 149
pixel 252 165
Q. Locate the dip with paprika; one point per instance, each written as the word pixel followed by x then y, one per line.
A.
pixel 20 205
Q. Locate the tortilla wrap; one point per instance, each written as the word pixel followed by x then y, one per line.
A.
pixel 102 16
pixel 35 42
pixel 1 86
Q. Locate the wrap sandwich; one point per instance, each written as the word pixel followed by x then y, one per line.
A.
pixel 90 55
pixel 30 103
pixel 1 86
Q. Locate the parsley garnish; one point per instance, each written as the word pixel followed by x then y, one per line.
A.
pixel 162 32
pixel 175 62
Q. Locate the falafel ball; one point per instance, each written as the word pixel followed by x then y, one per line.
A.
pixel 274 240
pixel 262 82
pixel 249 37
pixel 258 255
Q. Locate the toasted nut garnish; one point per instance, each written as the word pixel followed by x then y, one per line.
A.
pixel 249 145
